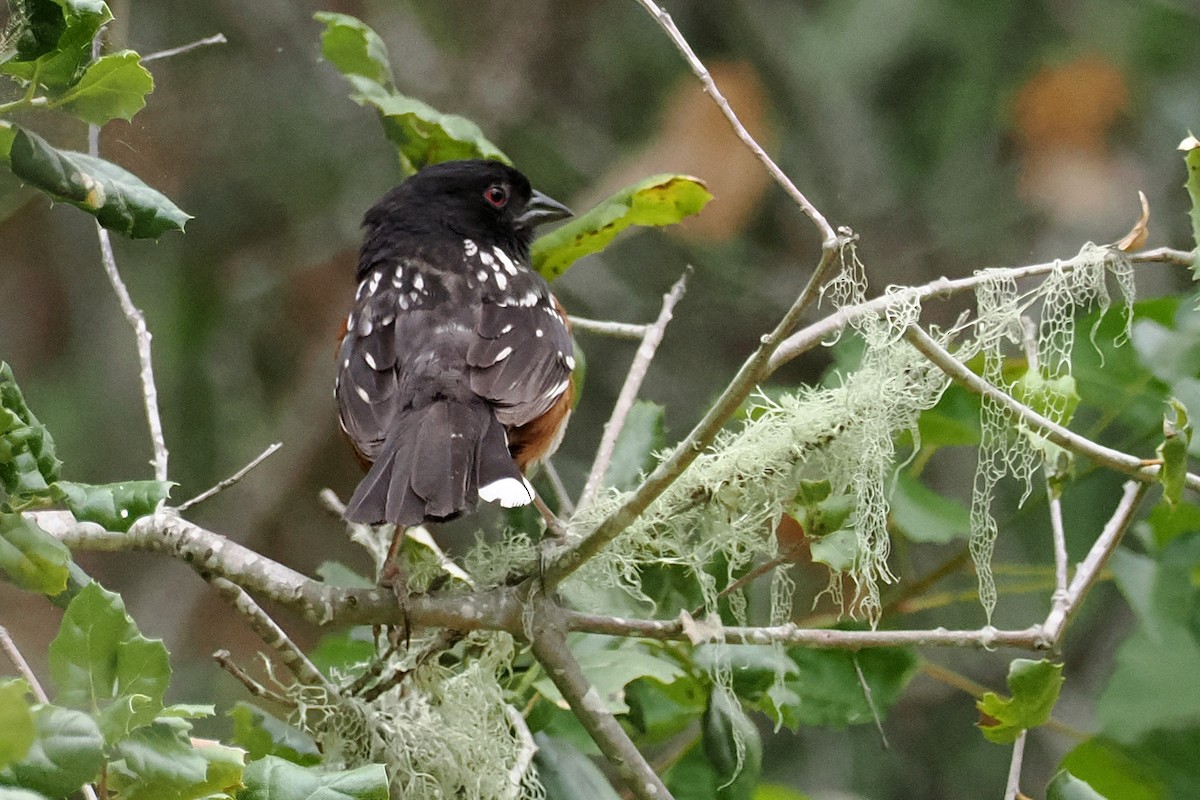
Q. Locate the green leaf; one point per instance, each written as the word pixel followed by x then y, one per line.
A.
pixel 954 421
pixel 642 435
pixel 115 506
pixel 60 66
pixel 262 734
pixel 27 457
pixel 1066 786
pixel 33 559
pixel 1177 437
pixel 113 87
pixel 273 778
pixel 770 791
pixel 733 746
pixel 661 710
pixel 837 550
pixel 658 200
pixel 421 134
pixel 1055 398
pixel 33 30
pixel 117 198
pixel 923 515
pixel 7 134
pixel 824 689
pixel 567 774
pixel 1034 686
pixel 100 661
pixel 1166 523
pixel 354 48
pixel 1162 765
pixel 17 730
pixel 7 793
pixel 67 753
pixel 1153 684
pixel 609 668
pixel 160 762
pixel 1191 148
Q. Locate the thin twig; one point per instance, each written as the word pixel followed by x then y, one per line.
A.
pixel 1090 569
pixel 664 20
pixel 551 650
pixel 272 635
pixel 136 319
pixel 232 479
pixel 14 656
pixel 565 507
pixel 1105 456
pixel 567 559
pixel 617 330
pixel 226 662
pixel 629 390
pixel 218 38
pixel 870 698
pixel 824 329
pixel 1014 768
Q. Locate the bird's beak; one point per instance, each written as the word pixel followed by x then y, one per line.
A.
pixel 540 209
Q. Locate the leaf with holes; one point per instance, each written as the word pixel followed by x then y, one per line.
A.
pixel 117 198
pixel 113 87
pixel 27 456
pixel 115 506
pixel 100 660
pixel 656 201
pixel 421 134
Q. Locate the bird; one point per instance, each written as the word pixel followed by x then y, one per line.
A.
pixel 456 362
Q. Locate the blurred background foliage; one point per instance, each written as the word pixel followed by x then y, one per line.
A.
pixel 949 135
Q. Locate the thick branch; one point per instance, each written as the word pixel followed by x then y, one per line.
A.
pixel 551 650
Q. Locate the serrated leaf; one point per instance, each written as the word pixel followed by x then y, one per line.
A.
pixel 642 435
pixel 567 774
pixel 161 762
pixel 923 515
pixel 1034 686
pixel 100 661
pixel 657 201
pixel 112 87
pixel 59 66
pixel 609 668
pixel 273 778
pixel 33 30
pixel 262 734
pixel 1066 786
pixel 1173 450
pixel 115 506
pixel 17 730
pixel 1191 158
pixel 421 134
pixel 27 457
pixel 31 558
pixel 67 753
pixel 118 199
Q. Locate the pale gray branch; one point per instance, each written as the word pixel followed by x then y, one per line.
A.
pixel 208 41
pixel 1014 768
pixel 232 479
pixel 617 330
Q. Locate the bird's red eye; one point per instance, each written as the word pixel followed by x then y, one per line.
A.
pixel 496 195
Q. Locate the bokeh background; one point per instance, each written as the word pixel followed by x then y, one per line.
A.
pixel 949 135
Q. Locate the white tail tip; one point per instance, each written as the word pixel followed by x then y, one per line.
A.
pixel 508 492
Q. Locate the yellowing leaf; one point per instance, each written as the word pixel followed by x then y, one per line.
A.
pixel 658 200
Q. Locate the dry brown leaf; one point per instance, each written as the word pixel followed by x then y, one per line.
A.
pixel 1140 232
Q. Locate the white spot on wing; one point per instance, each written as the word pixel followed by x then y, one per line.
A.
pixel 509 267
pixel 556 391
pixel 376 277
pixel 539 333
pixel 501 281
pixel 569 361
pixel 508 492
pixel 487 259
pixel 482 275
pixel 370 359
pixel 361 392
pixel 418 282
pixel 470 248
pixel 503 354
pixel 507 328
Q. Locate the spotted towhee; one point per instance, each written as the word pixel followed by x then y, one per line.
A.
pixel 454 371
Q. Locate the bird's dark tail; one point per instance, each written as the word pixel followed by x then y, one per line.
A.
pixel 439 461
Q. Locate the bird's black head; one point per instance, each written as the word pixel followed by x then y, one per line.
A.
pixel 485 201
